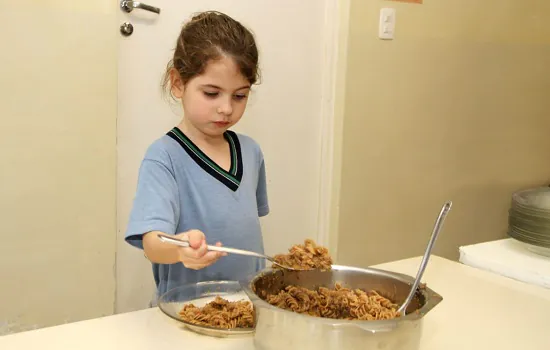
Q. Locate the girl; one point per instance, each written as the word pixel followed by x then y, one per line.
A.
pixel 202 181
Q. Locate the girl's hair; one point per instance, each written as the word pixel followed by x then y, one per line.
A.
pixel 209 36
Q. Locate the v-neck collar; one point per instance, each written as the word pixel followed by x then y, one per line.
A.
pixel 231 178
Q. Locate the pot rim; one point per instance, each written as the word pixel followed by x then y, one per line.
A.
pixel 432 299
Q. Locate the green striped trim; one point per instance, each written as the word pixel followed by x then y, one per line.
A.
pixel 234 157
pixel 231 175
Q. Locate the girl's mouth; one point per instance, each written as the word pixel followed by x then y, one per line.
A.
pixel 221 124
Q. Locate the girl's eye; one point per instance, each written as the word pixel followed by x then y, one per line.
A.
pixel 210 94
pixel 240 97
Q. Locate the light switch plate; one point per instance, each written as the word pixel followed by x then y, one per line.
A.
pixel 386 27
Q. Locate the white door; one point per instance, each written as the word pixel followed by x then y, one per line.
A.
pixel 58 108
pixel 284 115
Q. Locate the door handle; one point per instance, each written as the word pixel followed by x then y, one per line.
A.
pixel 129 6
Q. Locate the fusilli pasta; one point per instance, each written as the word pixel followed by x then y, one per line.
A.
pixel 220 313
pixel 307 256
pixel 337 303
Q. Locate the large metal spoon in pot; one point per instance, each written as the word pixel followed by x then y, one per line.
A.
pixel 437 227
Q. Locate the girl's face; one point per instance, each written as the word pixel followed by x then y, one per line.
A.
pixel 215 100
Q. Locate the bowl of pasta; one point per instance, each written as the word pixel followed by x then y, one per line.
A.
pixel 214 308
pixel 335 307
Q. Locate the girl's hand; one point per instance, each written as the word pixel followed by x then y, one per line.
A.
pixel 197 256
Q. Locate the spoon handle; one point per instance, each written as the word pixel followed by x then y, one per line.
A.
pixel 437 227
pixel 183 243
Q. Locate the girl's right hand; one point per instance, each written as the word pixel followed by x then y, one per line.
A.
pixel 197 256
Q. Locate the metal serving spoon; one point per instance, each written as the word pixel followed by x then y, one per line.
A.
pixel 437 227
pixel 185 244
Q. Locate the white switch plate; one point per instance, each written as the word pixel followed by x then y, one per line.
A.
pixel 386 27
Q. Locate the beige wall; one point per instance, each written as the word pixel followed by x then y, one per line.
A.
pixel 456 107
pixel 57 148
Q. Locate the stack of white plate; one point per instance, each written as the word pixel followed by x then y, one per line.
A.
pixel 529 219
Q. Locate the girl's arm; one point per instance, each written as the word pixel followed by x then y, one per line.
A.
pixel 195 257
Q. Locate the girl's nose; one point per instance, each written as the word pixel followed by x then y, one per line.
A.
pixel 225 108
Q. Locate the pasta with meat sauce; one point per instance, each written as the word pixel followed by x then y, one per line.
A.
pixel 337 303
pixel 307 256
pixel 220 313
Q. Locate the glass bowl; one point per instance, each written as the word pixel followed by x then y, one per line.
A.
pixel 200 294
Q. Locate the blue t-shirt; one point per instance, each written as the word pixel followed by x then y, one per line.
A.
pixel 180 188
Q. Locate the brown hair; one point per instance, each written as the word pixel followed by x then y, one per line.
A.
pixel 209 36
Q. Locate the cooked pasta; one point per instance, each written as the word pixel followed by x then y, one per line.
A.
pixel 337 303
pixel 220 313
pixel 307 256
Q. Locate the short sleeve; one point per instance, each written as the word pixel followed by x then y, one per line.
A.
pixel 156 204
pixel 261 191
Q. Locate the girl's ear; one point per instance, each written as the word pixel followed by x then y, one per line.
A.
pixel 176 85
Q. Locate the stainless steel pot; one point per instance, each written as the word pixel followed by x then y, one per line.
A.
pixel 282 329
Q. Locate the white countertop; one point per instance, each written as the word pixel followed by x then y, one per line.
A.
pixel 509 258
pixel 480 310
